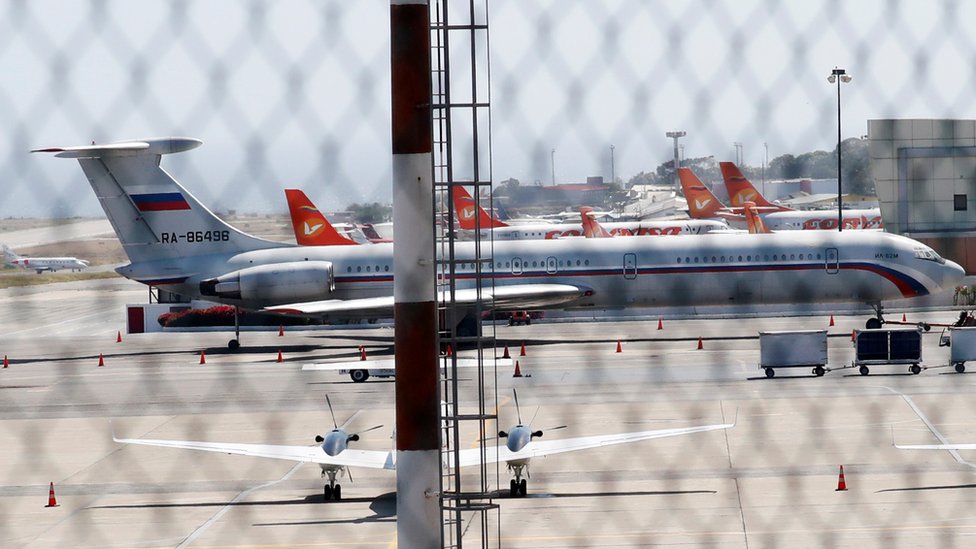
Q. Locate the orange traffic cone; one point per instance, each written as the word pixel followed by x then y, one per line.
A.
pixel 619 350
pixel 506 355
pixel 700 345
pixel 280 359
pixel 841 483
pixel 281 330
pixel 518 371
pixel 831 321
pixel 6 363
pixel 203 358
pixel 522 352
pixel 853 335
pixel 118 338
pixel 904 318
pixel 362 353
pixel 660 324
pixel 101 360
pixel 51 500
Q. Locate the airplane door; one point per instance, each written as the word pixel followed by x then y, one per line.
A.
pixel 516 265
pixel 630 266
pixel 551 265
pixel 832 261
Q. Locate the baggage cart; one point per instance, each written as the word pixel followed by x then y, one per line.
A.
pixel 793 349
pixel 896 346
pixel 962 346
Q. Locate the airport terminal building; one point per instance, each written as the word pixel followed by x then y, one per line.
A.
pixel 925 176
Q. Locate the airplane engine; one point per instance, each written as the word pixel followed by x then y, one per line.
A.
pixel 280 282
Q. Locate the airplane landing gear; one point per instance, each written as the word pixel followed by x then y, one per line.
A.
pixel 331 490
pixel 235 343
pixel 878 320
pixel 518 486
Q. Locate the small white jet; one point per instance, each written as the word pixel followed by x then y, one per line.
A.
pixel 41 264
pixel 333 455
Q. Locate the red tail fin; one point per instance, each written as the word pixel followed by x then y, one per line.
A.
pixel 741 190
pixel 466 209
pixel 591 227
pixel 311 227
pixel 753 221
pixel 702 204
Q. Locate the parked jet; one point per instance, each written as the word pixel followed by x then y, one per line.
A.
pixel 171 239
pixel 310 225
pixel 467 211
pixel 41 264
pixel 334 457
pixel 781 218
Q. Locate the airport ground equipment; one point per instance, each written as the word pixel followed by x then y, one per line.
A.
pixel 898 346
pixel 962 346
pixel 793 349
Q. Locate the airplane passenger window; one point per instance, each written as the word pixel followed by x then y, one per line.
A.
pixel 349 269
pixel 535 263
pixel 679 260
pixel 792 256
pixel 508 264
pixel 586 262
pixel 748 258
pixel 696 260
pixel 722 259
pixel 359 269
pixel 367 268
pixel 818 256
pixel 713 259
pixel 386 268
pixel 377 268
pixel 740 258
pixel 578 263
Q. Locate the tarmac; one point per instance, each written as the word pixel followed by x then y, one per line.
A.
pixel 770 481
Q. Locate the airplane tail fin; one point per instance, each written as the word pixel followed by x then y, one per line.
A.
pixel 466 210
pixel 591 227
pixel 741 190
pixel 153 216
pixel 753 221
pixel 9 253
pixel 702 203
pixel 310 225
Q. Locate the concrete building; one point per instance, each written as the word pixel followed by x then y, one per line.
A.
pixel 925 175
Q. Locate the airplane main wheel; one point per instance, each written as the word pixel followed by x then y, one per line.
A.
pixel 359 376
pixel 233 345
pixel 523 487
pixel 337 492
pixel 819 371
pixel 960 367
pixel 864 370
pixel 915 369
pixel 873 323
pixel 770 372
pixel 513 488
pixel 327 492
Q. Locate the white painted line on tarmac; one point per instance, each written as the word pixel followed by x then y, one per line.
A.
pixel 954 453
pixel 44 326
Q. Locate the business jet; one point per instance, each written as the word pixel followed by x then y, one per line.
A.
pixel 468 211
pixel 333 455
pixel 41 264
pixel 172 240
pixel 781 218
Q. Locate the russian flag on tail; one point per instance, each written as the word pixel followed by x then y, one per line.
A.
pixel 158 202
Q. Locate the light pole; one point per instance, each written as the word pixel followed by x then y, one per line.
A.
pixel 677 160
pixel 837 76
pixel 738 153
pixel 613 175
pixel 552 165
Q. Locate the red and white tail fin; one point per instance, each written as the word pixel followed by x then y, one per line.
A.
pixel 741 190
pixel 702 203
pixel 466 210
pixel 591 227
pixel 753 221
pixel 311 227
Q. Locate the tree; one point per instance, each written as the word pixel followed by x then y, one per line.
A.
pixel 371 213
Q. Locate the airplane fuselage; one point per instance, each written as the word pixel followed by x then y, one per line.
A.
pixel 550 231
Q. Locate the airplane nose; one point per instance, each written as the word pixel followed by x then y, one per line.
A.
pixel 952 274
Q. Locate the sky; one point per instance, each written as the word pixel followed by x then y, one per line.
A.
pixel 295 93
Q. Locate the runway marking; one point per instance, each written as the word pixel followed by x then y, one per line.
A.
pixel 203 527
pixel 66 321
pixel 954 453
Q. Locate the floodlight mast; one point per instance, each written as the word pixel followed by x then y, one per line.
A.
pixel 677 160
pixel 837 76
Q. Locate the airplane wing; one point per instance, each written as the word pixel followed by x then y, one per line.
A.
pixel 373 459
pixel 542 448
pixel 969 446
pixel 522 296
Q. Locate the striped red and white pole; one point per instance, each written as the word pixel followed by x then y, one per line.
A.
pixel 415 311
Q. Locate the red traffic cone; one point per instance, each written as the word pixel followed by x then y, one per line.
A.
pixel 101 360
pixel 522 352
pixel 518 371
pixel 450 350
pixel 619 350
pixel 904 318
pixel 362 353
pixel 118 338
pixel 506 355
pixel 841 483
pixel 280 359
pixel 660 324
pixel 853 335
pixel 203 358
pixel 281 330
pixel 6 363
pixel 831 323
pixel 700 343
pixel 51 500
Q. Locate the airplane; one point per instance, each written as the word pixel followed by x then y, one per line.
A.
pixel 778 217
pixel 334 456
pixel 753 220
pixel 172 240
pixel 310 225
pixel 591 227
pixel 41 264
pixel 467 210
pixel 702 202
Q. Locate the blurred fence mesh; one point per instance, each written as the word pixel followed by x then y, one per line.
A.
pixel 295 93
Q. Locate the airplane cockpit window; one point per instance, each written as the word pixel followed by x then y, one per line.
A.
pixel 928 254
